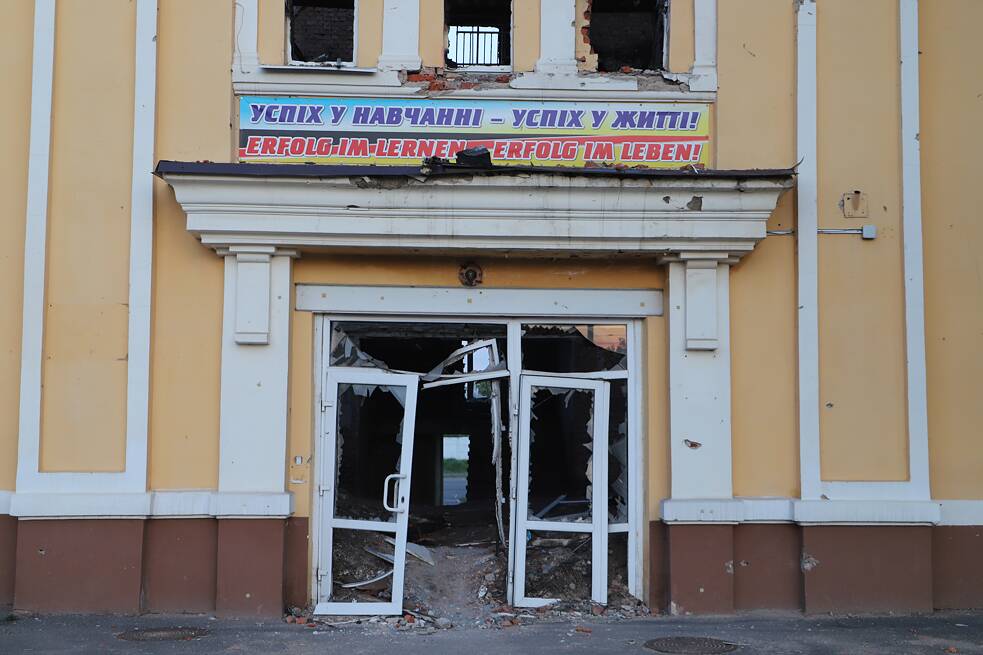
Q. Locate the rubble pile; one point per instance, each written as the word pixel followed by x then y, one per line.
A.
pixel 459 580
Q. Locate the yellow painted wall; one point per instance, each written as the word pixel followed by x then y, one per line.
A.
pixel 369 33
pixel 951 140
pixel 562 274
pixel 432 37
pixel 861 295
pixel 861 286
pixel 83 415
pixel 193 49
pixel 525 35
pixel 656 415
pixel 15 51
pixel 756 49
pixel 270 43
pixel 681 34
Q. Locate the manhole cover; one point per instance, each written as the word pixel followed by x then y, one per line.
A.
pixel 689 645
pixel 163 634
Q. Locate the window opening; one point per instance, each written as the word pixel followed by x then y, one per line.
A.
pixel 454 469
pixel 627 33
pixel 321 31
pixel 478 32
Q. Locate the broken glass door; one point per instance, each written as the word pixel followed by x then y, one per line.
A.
pixel 364 484
pixel 561 516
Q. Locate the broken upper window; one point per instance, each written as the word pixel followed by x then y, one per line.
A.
pixel 321 31
pixel 627 33
pixel 431 349
pixel 479 33
pixel 574 348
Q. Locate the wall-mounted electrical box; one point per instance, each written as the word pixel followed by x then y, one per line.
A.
pixel 854 204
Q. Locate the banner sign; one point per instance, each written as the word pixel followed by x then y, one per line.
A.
pixel 404 132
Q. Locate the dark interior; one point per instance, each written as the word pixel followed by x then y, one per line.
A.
pixel 627 33
pixel 322 31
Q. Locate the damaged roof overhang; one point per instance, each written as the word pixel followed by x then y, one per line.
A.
pixel 436 168
pixel 445 207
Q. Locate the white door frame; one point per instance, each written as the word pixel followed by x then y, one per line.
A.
pixel 598 527
pixel 326 521
pixel 629 313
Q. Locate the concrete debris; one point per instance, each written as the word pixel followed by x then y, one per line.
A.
pixel 422 553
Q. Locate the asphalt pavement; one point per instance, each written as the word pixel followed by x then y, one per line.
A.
pixel 765 633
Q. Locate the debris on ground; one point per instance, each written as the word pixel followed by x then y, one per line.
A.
pixel 459 580
pixel 422 553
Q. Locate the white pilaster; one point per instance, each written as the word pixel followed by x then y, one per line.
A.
pixel 808 251
pixel 704 74
pixel 914 286
pixel 699 376
pixel 245 53
pixel 35 243
pixel 557 37
pixel 400 35
pixel 255 365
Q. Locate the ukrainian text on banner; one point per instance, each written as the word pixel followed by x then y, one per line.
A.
pixel 403 132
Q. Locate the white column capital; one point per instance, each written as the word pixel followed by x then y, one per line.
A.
pixel 251 293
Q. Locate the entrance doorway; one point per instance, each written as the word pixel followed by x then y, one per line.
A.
pixel 423 423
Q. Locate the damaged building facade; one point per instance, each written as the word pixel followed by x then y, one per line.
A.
pixel 358 306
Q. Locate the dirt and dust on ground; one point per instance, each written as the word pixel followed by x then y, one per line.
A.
pixel 465 586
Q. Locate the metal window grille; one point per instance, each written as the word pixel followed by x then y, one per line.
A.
pixel 473 45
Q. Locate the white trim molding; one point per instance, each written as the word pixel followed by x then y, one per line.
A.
pixel 133 478
pixel 814 488
pixel 213 504
pixel 490 302
pixel 869 512
pixel 823 512
pixel 807 250
pixel 547 213
pixel 914 288
pixel 35 241
pixel 961 512
pixel 157 504
pixel 728 510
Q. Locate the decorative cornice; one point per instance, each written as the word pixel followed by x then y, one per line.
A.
pixel 505 212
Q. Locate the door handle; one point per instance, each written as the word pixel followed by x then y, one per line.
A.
pixel 385 492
